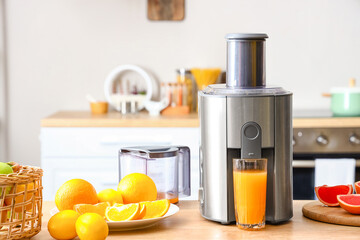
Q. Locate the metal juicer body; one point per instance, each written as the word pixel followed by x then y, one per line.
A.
pixel 221 119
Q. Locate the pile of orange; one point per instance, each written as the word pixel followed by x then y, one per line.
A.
pixel 83 211
pixel 139 196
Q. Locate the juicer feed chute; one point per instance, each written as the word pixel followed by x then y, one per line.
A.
pixel 245 66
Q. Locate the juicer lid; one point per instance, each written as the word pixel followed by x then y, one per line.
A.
pixel 246 36
pixel 151 151
pixel 222 89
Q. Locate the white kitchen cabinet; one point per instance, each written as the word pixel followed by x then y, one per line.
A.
pixel 91 153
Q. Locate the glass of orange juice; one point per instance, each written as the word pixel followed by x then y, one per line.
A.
pixel 249 177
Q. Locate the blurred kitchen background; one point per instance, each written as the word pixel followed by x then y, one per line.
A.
pixel 54 52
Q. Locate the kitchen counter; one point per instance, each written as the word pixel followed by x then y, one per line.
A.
pixel 116 119
pixel 142 119
pixel 188 224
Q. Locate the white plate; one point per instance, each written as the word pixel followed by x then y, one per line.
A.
pixel 143 223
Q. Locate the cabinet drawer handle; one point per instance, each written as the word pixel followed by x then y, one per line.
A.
pixel 311 163
pixel 303 163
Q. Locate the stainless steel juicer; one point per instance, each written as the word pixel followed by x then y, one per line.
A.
pixel 244 118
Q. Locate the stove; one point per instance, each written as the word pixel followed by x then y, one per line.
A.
pixel 312 143
pixel 325 142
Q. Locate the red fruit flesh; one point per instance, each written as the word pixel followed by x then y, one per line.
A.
pixel 357 187
pixel 350 202
pixel 328 194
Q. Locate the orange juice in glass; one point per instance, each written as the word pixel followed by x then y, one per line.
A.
pixel 249 177
pixel 173 198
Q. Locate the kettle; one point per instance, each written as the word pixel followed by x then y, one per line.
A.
pixel 168 167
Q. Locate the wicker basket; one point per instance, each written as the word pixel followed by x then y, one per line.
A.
pixel 21 203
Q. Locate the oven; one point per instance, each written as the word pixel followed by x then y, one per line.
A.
pixel 316 143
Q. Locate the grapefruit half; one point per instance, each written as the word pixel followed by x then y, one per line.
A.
pixel 328 194
pixel 350 203
pixel 357 187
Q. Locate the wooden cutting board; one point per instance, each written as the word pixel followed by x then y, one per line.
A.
pixel 335 215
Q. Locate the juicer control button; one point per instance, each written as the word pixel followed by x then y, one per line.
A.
pixel 251 132
pixel 322 140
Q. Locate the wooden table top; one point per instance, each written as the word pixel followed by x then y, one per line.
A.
pixel 142 119
pixel 189 224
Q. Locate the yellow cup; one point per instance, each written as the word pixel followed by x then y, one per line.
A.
pixel 99 107
pixel 205 76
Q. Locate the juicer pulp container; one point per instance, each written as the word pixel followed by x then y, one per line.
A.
pixel 168 167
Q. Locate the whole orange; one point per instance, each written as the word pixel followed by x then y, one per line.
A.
pixel 3 216
pixel 20 198
pixel 110 195
pixel 91 226
pixel 73 192
pixel 137 187
pixel 62 224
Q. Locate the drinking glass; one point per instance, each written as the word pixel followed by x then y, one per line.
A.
pixel 249 177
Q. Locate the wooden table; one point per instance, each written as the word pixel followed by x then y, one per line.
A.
pixel 188 224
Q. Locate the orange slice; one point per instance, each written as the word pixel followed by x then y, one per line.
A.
pixel 98 208
pixel 142 210
pixel 156 209
pixel 118 204
pixel 123 213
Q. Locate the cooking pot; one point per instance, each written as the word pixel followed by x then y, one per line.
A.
pixel 345 101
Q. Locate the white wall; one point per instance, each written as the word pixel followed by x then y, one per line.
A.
pixel 3 87
pixel 59 50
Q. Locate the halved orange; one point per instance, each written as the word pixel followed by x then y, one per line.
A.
pixel 156 209
pixel 98 208
pixel 123 213
pixel 350 202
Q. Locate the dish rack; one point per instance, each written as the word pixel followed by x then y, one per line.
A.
pixel 21 203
